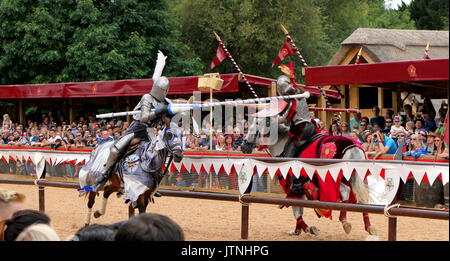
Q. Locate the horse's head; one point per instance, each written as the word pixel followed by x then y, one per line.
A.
pixel 172 141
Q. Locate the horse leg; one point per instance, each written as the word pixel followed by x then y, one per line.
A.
pixel 300 224
pixel 108 191
pixel 345 224
pixel 141 204
pixel 90 204
pixel 369 228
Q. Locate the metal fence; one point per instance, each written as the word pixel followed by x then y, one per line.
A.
pixel 391 213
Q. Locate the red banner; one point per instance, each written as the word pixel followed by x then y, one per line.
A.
pixel 285 51
pixel 220 56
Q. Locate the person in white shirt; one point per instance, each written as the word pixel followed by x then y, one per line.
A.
pixel 397 128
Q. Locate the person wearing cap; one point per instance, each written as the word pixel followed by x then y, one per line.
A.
pixel 397 128
pixel 386 144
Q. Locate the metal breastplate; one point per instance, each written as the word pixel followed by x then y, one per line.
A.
pixel 301 112
pixel 149 101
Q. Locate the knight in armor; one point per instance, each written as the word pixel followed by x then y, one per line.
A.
pixel 137 130
pixel 295 119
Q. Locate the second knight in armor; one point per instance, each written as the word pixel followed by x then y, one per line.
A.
pixel 295 119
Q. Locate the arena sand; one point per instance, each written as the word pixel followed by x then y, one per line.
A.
pixel 206 220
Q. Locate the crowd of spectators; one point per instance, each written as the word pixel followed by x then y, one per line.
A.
pixel 20 224
pixel 378 135
pixel 421 132
pixel 90 132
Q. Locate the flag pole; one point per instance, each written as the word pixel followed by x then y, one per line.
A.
pixel 322 92
pixel 236 66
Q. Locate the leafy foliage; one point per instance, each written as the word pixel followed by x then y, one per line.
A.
pixel 430 14
pixel 86 40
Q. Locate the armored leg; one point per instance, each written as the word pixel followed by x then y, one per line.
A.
pixel 119 147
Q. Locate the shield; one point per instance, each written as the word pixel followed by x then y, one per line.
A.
pixel 245 175
pixel 275 107
pixel 383 191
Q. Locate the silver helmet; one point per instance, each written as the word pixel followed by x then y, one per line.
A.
pixel 160 88
pixel 284 86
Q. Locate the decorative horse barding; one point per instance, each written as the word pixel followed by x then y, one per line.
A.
pixel 352 190
pixel 137 175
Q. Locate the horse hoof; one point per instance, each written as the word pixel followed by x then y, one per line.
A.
pixel 312 230
pixel 293 233
pixel 371 230
pixel 97 214
pixel 347 227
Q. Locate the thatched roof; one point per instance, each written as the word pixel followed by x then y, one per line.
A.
pixel 386 45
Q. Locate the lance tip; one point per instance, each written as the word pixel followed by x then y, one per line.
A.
pixel 285 31
pixel 217 36
pixel 428 46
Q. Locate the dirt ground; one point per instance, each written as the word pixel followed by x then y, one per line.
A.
pixel 211 220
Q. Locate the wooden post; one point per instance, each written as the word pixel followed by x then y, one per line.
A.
pixel 392 226
pixel 71 113
pixel 21 112
pixel 130 211
pixel 127 100
pixel 41 198
pixel 244 221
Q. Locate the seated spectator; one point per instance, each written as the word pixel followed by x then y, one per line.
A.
pixel 205 144
pixel 15 138
pixel 345 129
pixel 22 219
pixel 402 137
pixel 440 146
pixel 410 128
pixel 416 147
pixel 418 126
pixel 53 138
pixel 38 232
pixel 220 141
pixel 239 139
pixel 354 135
pixel 387 145
pixel 335 129
pixel 377 119
pixel 409 116
pixel 180 182
pixel 388 126
pixel 4 139
pixel 430 124
pixel 362 126
pixel 150 227
pixel 355 120
pixel 423 136
pixel 430 144
pixel 95 232
pixel 442 113
pixel 104 137
pixel 33 136
pixel 397 128
pixel 229 142
pixel 369 143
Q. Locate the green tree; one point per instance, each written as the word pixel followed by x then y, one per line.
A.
pixel 430 14
pixel 86 40
pixel 251 32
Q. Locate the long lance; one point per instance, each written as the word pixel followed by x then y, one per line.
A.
pixel 291 41
pixel 236 66
pixel 177 108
